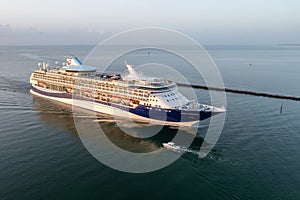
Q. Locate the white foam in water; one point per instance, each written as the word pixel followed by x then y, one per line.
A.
pixel 180 149
pixel 104 120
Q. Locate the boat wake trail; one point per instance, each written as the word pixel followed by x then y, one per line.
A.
pixel 182 149
pixel 13 85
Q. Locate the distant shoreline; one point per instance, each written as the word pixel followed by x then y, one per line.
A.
pixel 289 44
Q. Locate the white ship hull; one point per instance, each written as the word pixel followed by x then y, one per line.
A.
pixel 93 106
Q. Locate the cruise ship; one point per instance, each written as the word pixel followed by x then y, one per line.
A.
pixel 130 94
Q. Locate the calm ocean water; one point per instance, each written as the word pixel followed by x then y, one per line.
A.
pixel 256 157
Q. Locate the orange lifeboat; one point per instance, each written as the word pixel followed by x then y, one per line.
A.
pixel 135 101
pixel 69 89
pixel 42 84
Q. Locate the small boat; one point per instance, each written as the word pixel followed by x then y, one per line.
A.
pixel 171 146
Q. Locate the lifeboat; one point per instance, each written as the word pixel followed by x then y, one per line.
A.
pixel 42 84
pixel 135 101
pixel 69 89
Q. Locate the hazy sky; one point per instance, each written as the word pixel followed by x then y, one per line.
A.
pixel 90 21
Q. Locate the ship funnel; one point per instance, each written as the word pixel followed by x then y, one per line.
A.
pixel 73 61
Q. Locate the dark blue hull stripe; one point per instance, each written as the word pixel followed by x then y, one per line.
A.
pixel 169 115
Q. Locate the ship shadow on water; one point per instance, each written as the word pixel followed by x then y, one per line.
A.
pixel 60 115
pixel 133 143
pixel 54 114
